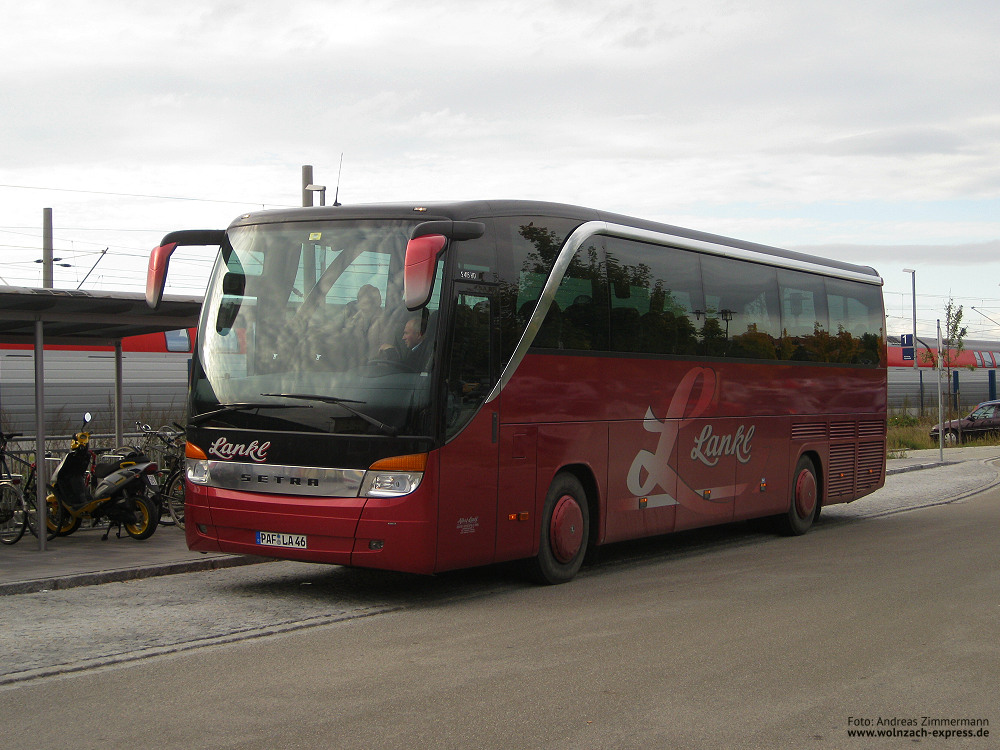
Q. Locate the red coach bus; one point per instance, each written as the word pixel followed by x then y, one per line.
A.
pixel 428 387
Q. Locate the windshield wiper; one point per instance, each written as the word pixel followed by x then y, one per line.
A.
pixel 343 403
pixel 228 408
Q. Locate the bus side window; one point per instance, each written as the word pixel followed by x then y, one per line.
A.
pixel 805 324
pixel 527 247
pixel 656 298
pixel 583 298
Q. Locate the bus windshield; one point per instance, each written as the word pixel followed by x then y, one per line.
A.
pixel 304 324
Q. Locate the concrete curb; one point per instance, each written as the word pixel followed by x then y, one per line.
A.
pixel 73 580
pixel 918 467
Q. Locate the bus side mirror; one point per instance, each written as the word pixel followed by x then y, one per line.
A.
pixel 159 259
pixel 418 269
pixel 156 274
pixel 426 243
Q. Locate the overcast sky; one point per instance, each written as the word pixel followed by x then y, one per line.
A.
pixel 867 130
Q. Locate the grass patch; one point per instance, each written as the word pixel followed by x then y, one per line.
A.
pixel 909 433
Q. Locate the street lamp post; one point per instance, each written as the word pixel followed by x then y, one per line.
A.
pixel 913 278
pixel 916 364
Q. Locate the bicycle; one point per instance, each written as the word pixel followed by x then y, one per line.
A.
pixel 13 513
pixel 170 477
pixel 18 509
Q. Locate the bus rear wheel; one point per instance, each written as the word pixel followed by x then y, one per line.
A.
pixel 565 531
pixel 804 502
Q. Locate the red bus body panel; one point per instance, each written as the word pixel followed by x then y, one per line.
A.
pixel 710 443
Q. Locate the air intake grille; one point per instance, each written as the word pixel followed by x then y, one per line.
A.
pixel 809 431
pixel 842 430
pixel 841 469
pixel 874 429
pixel 871 462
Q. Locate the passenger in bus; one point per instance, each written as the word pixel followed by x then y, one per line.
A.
pixel 413 353
pixel 364 323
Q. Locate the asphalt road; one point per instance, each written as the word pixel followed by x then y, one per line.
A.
pixel 725 638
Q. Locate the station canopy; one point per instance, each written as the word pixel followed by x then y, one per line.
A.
pixel 62 316
pixel 88 318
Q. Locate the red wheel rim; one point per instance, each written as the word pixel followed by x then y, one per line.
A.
pixel 566 529
pixel 805 493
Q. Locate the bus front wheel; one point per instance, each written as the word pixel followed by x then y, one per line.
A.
pixel 565 531
pixel 805 499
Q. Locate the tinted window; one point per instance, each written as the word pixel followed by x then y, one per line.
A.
pixel 741 309
pixel 527 246
pixel 805 324
pixel 651 299
pixel 856 319
pixel 475 259
pixel 578 317
pixel 829 320
pixel 469 380
pixel 656 298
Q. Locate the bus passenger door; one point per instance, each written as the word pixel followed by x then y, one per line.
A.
pixel 516 520
pixel 467 496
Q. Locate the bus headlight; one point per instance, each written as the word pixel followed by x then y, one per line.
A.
pixel 390 484
pixel 197 471
pixel 196 462
pixel 394 477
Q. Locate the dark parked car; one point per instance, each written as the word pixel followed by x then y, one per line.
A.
pixel 984 420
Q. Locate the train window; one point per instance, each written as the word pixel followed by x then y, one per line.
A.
pixel 178 341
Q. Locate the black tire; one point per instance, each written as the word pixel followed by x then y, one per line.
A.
pixel 65 522
pixel 68 523
pixel 804 500
pixel 147 518
pixel 951 438
pixel 13 516
pixel 565 532
pixel 173 498
pixel 53 518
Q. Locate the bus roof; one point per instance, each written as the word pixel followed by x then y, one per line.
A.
pixel 464 210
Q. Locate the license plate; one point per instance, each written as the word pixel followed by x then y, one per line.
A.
pixel 274 539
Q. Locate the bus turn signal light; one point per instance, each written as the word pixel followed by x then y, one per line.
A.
pixel 412 462
pixel 193 451
pixel 394 476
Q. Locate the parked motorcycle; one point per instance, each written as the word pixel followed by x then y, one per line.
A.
pixel 113 486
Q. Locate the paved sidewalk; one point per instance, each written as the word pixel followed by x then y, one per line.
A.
pixel 927 459
pixel 83 559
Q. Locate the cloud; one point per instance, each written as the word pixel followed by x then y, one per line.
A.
pixel 902 141
pixel 854 124
pixel 973 254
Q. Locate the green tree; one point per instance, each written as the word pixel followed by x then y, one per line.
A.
pixel 954 345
